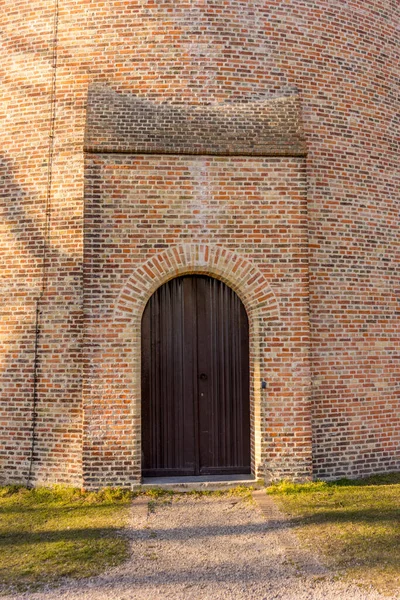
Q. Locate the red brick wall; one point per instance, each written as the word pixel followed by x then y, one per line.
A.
pixel 27 82
pixel 140 208
pixel 343 59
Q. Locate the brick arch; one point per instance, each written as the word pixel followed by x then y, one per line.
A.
pixel 252 288
pixel 239 274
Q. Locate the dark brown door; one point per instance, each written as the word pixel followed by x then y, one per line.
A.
pixel 195 380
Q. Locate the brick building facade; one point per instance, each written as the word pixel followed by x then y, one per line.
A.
pixel 253 142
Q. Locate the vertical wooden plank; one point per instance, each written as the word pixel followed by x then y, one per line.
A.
pixel 244 371
pixel 147 416
pixel 224 411
pixel 204 373
pixel 189 388
pixel 167 390
pixel 195 380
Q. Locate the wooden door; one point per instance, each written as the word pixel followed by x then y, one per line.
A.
pixel 195 380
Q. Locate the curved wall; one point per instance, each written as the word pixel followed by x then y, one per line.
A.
pixel 343 59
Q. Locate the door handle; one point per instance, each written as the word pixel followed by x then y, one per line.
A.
pixel 203 376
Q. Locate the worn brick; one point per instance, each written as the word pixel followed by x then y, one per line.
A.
pixel 317 233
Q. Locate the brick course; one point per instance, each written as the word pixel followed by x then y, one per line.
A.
pixel 341 59
pixel 123 123
pixel 220 216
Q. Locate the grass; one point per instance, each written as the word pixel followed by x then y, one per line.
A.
pixel 354 524
pixel 50 534
pixel 241 491
pixel 159 497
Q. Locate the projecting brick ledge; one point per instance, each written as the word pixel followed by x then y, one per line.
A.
pixel 125 123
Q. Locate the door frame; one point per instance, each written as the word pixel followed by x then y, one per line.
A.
pixel 196 300
pixel 281 412
pixel 265 326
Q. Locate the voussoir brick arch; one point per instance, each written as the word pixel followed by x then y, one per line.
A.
pixel 244 278
pixel 240 275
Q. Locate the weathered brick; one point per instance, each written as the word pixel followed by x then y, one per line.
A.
pixel 317 234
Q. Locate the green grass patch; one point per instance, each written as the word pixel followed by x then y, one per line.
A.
pixel 159 497
pixel 47 534
pixel 355 524
pixel 241 491
pixel 165 496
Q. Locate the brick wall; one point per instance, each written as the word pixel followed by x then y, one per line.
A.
pixel 27 136
pixel 342 57
pixel 121 123
pixel 141 209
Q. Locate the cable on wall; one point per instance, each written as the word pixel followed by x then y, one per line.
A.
pixel 46 240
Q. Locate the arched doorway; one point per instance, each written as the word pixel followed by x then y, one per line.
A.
pixel 195 380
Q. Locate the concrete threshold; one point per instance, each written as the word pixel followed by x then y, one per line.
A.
pixel 200 483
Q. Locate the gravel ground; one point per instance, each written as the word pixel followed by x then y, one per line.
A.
pixel 208 548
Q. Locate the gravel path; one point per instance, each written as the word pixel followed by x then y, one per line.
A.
pixel 212 549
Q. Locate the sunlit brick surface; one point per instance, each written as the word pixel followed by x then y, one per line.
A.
pixel 226 217
pixel 342 57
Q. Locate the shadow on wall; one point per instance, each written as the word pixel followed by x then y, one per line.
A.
pixel 23 219
pixel 22 246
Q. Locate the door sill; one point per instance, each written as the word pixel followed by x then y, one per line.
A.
pixel 200 482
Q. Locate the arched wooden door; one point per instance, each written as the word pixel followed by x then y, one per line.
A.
pixel 195 380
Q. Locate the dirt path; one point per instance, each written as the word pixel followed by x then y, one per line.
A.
pixel 209 548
